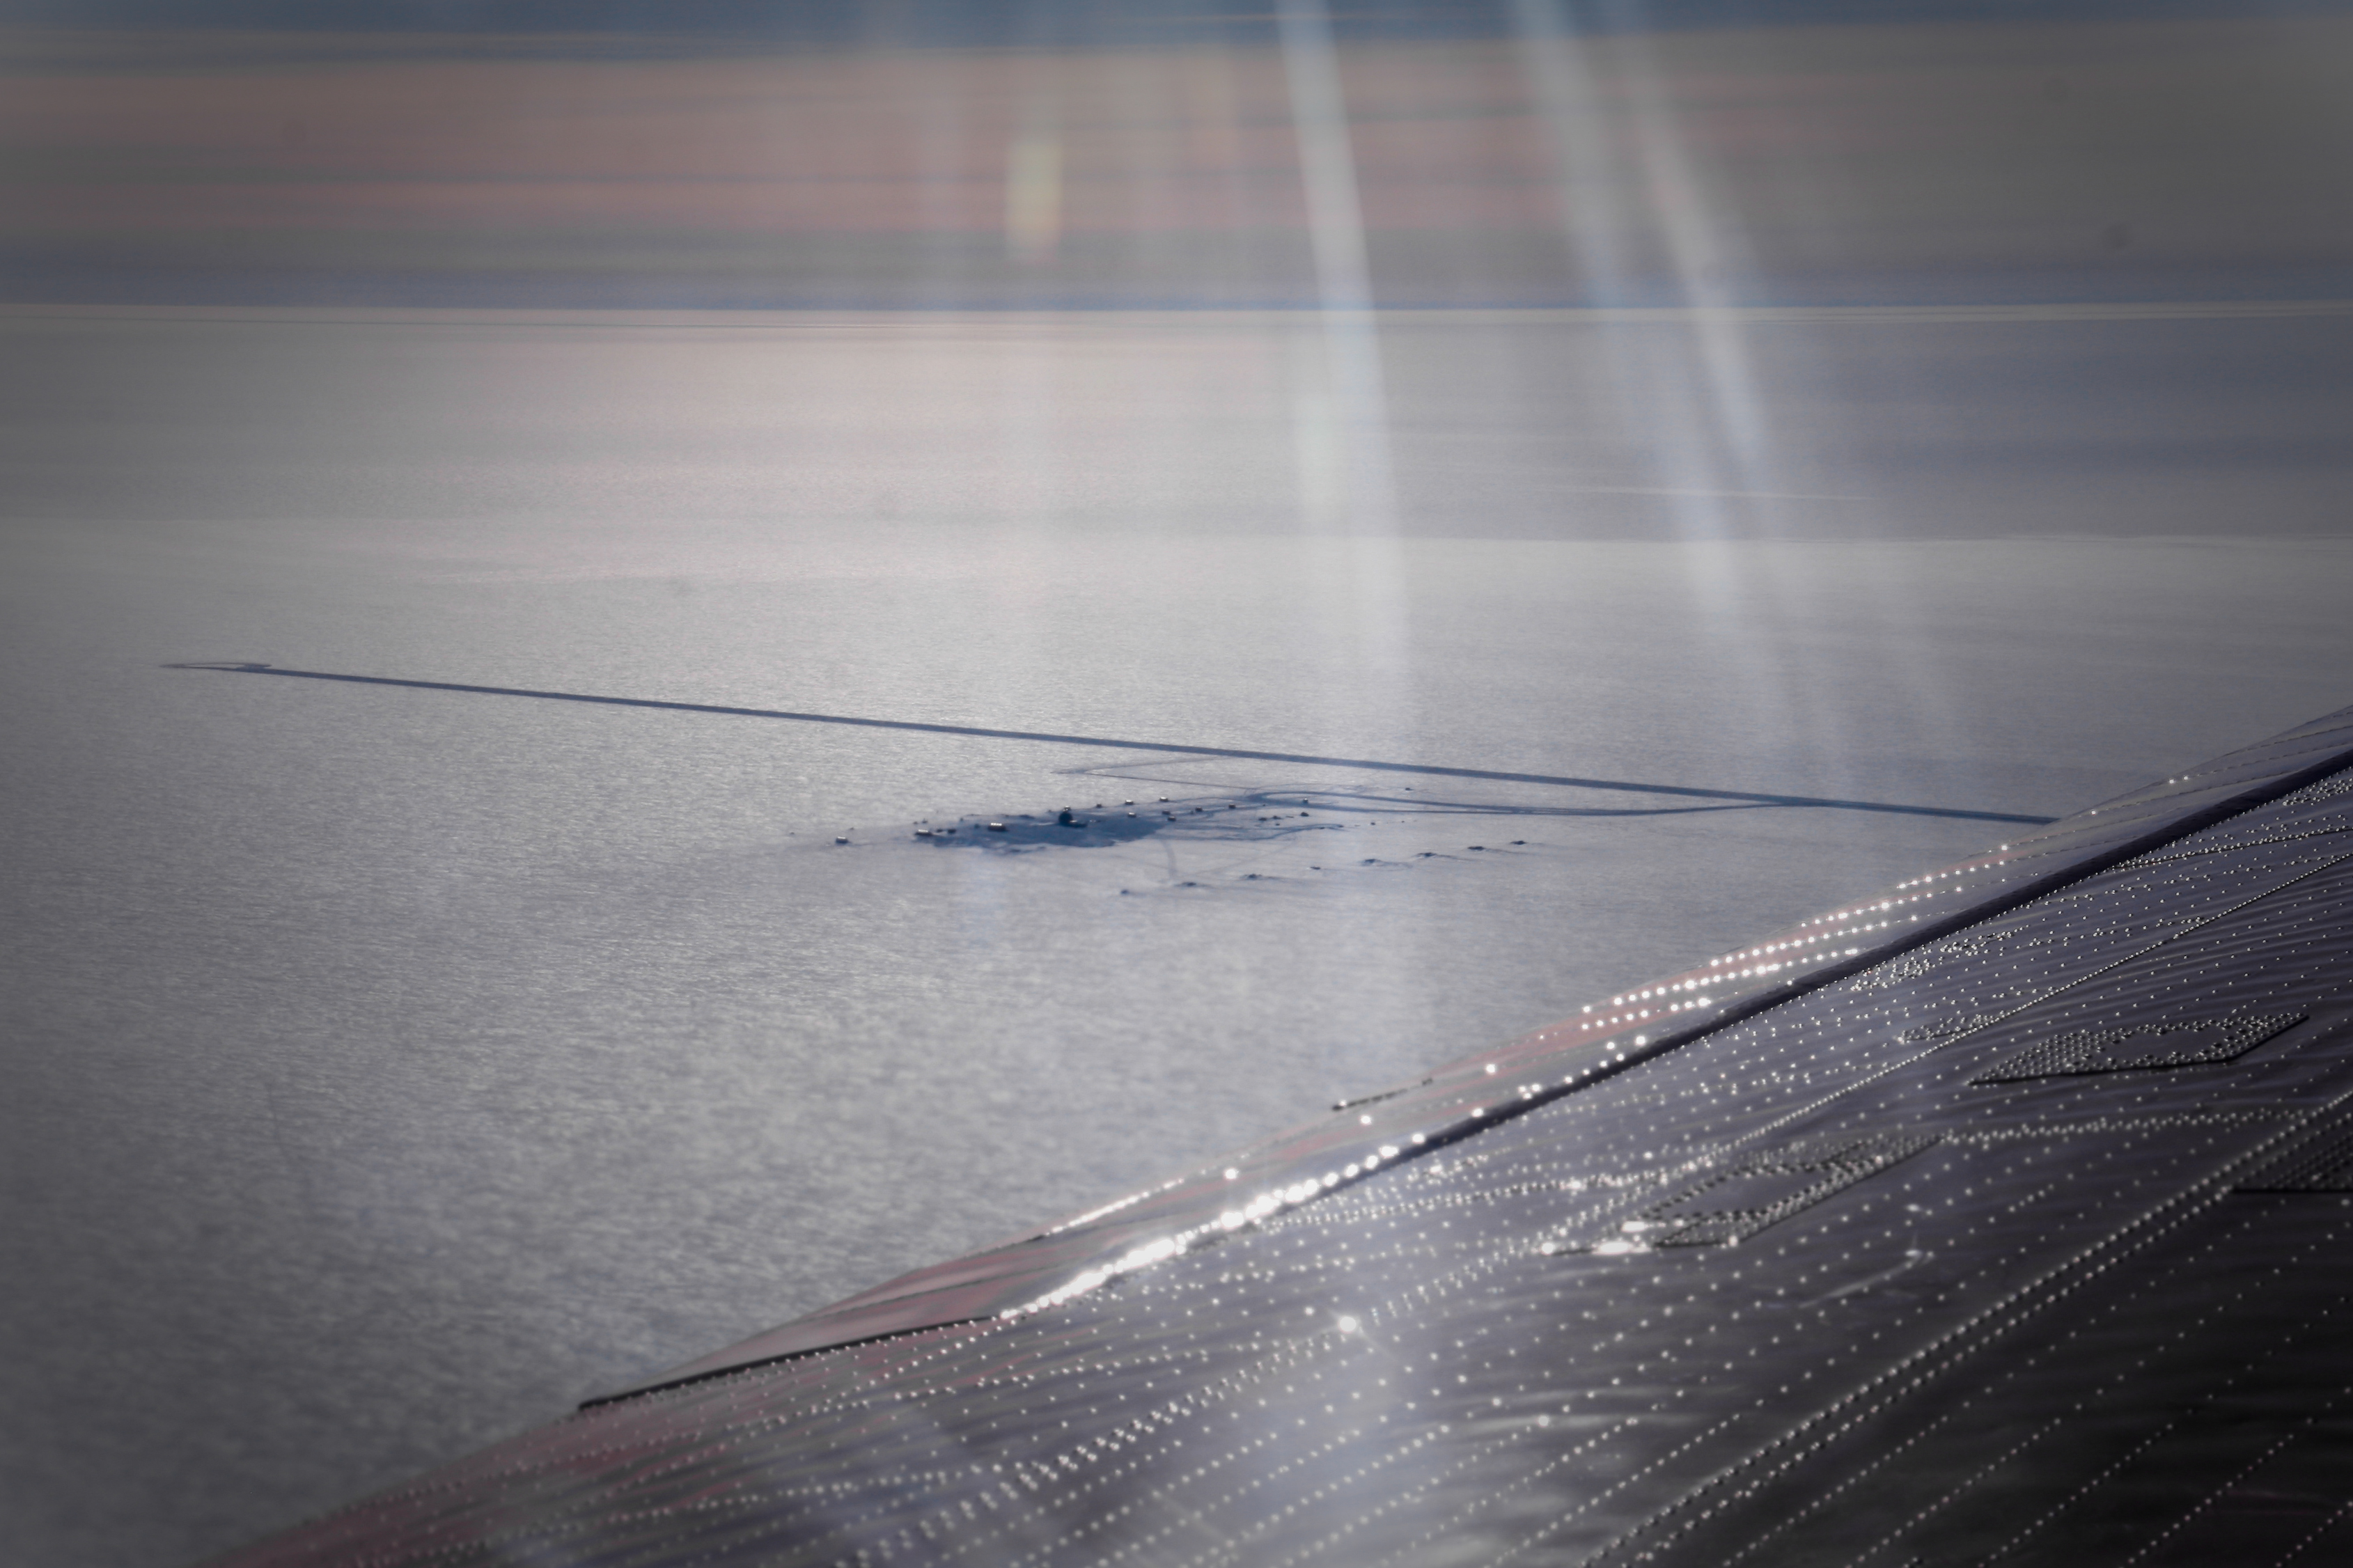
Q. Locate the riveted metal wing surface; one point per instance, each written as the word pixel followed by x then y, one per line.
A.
pixel 2005 1216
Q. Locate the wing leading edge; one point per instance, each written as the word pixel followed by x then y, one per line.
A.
pixel 2005 1213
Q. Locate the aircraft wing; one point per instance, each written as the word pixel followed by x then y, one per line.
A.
pixel 2005 1215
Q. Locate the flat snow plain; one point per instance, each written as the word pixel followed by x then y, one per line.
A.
pixel 390 1068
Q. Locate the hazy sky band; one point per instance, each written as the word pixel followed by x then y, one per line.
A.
pixel 1032 23
pixel 1834 163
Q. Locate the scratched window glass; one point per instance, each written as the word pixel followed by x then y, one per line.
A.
pixel 665 662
